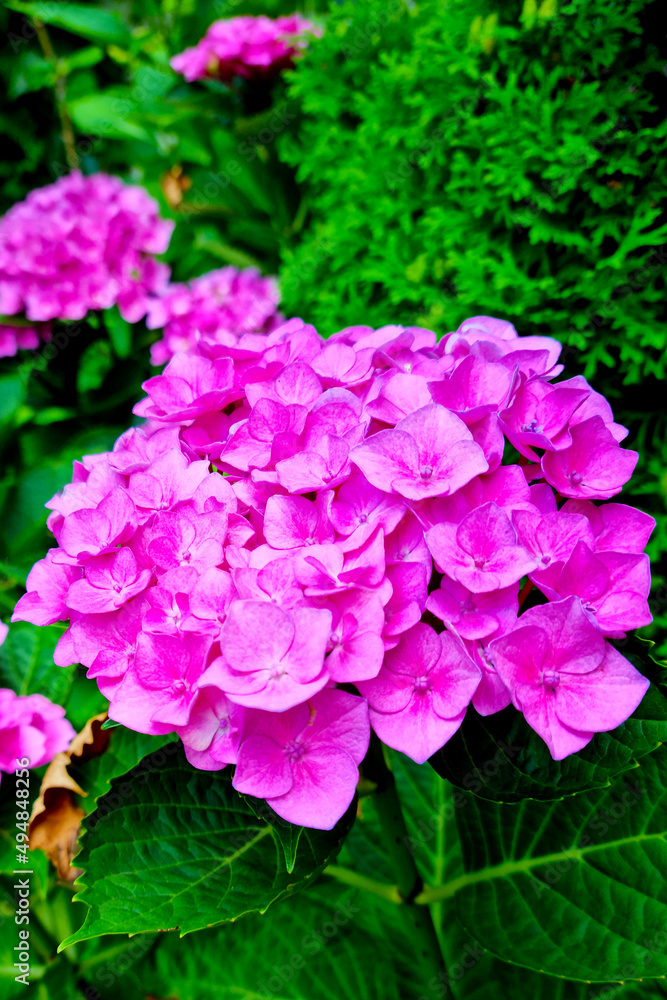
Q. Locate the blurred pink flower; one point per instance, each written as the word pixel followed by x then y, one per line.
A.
pixel 247 46
pixel 78 244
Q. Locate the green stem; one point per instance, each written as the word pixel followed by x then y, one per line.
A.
pixel 428 957
pixel 349 877
pixel 437 908
pixel 60 92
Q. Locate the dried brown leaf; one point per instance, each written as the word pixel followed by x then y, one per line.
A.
pixel 56 816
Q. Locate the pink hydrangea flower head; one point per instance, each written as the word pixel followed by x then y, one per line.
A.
pixel 305 761
pixel 212 732
pixel 594 465
pixel 429 453
pixel 271 659
pixel 213 314
pixel 22 338
pixel 565 678
pixel 81 243
pixel 246 46
pixel 419 698
pixel 31 727
pixel 294 517
pixel 482 552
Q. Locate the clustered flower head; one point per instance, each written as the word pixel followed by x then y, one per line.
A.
pixel 213 313
pixel 78 244
pixel 31 727
pixel 21 338
pixel 249 47
pixel 301 519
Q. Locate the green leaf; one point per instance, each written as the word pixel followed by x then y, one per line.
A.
pixel 120 332
pixel 12 395
pixel 95 364
pixel 90 22
pixel 502 759
pixel 184 850
pixel 230 255
pixel 30 72
pixel 108 114
pixel 52 415
pixel 26 662
pixel 574 888
pixel 287 834
pixel 135 756
pixel 314 951
pixel 489 978
pixel 84 58
pixel 84 700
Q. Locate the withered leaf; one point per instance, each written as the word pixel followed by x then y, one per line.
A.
pixel 56 815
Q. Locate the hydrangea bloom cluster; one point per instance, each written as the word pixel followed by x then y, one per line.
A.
pixel 249 47
pixel 30 726
pixel 212 312
pixel 21 338
pixel 299 519
pixel 78 244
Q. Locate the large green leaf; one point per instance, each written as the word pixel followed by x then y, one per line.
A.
pixel 522 881
pixel 133 756
pixel 317 950
pixel 26 662
pixel 491 979
pixel 182 849
pixel 501 758
pixel 12 394
pixel 110 113
pixel 575 887
pixel 95 23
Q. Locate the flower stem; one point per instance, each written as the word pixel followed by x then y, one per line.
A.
pixel 428 958
pixel 349 877
pixel 67 131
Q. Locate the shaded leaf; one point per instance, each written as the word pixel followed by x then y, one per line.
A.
pixel 502 759
pixel 184 850
pixel 95 23
pixel 314 951
pixel 574 888
pixel 26 662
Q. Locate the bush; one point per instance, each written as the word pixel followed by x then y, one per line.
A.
pixel 522 181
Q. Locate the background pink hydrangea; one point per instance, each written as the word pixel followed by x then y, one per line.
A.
pixel 212 311
pixel 22 338
pixel 247 46
pixel 298 514
pixel 78 244
pixel 31 726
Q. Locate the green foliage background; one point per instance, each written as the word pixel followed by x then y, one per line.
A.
pixel 470 158
pixel 426 161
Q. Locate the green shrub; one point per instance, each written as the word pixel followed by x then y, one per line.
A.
pixel 462 160
pixel 461 163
